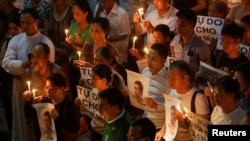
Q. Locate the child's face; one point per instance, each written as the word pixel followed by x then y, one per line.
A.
pixel 176 80
pixel 155 61
pixel 107 111
pixel 158 37
pixel 98 82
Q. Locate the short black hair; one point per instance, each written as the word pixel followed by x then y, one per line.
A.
pixel 182 66
pixel 161 49
pixel 32 12
pixel 103 71
pixel 164 29
pixel 234 30
pixel 229 84
pixel 246 20
pixel 15 18
pixel 188 15
pixel 113 96
pixel 148 128
pixel 57 79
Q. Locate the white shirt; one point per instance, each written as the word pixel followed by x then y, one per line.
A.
pixel 169 19
pixel 234 117
pixel 18 49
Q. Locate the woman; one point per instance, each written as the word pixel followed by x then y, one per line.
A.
pixel 55 22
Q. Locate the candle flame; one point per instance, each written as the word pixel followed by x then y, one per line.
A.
pixel 140 11
pixel 146 50
pixel 66 31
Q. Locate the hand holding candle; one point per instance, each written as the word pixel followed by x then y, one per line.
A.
pixel 134 41
pixel 28 83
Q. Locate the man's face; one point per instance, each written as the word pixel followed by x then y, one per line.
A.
pixel 134 134
pixel 176 80
pixel 39 58
pixel 107 111
pixel 155 61
pixel 229 44
pixel 29 24
pixel 184 27
pixel 160 4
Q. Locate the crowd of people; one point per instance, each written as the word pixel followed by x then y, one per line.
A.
pixel 44 43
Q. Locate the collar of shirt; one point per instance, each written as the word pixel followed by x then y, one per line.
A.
pixel 118 117
pixel 167 14
pixel 162 72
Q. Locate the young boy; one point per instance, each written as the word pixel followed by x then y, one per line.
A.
pixel 179 82
pixel 158 84
pixel 117 120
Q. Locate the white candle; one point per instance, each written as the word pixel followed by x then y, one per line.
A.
pixel 140 11
pixel 79 54
pixel 66 32
pixel 134 41
pixel 34 93
pixel 28 83
pixel 146 51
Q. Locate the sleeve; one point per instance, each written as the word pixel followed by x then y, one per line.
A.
pixel 124 23
pixel 10 62
pixel 201 104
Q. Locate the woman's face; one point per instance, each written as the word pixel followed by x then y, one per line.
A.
pixel 98 82
pixel 14 29
pixel 99 59
pixel 97 32
pixel 158 37
pixel 79 15
pixel 53 92
pixel 241 80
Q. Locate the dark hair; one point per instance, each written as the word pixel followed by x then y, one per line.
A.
pixel 246 20
pixel 161 49
pixel 244 70
pixel 164 29
pixel 188 15
pixel 234 30
pixel 104 24
pixel 57 79
pixel 44 46
pixel 84 6
pixel 220 5
pixel 108 53
pixel 103 71
pixel 32 12
pixel 139 85
pixel 113 96
pixel 15 18
pixel 228 84
pixel 182 66
pixel 148 128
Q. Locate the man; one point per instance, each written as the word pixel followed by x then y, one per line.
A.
pixel 116 118
pixel 164 13
pixel 186 45
pixel 16 61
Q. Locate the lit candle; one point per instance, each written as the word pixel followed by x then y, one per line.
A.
pixel 140 11
pixel 134 41
pixel 79 54
pixel 146 51
pixel 66 32
pixel 28 83
pixel 34 93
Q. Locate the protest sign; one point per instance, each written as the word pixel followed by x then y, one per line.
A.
pixel 86 76
pixel 171 105
pixel 208 28
pixel 46 122
pixel 138 86
pixel 89 102
pixel 198 127
pixel 209 74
